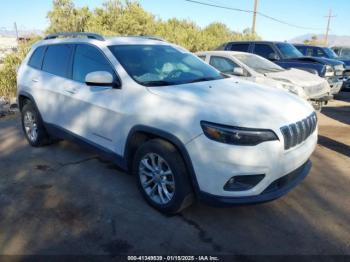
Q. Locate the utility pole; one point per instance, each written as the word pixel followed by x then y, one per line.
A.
pixel 16 30
pixel 328 24
pixel 254 15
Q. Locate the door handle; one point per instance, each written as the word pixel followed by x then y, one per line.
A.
pixel 70 91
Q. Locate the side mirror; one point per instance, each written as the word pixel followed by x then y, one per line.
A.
pixel 238 71
pixel 100 78
pixel 273 57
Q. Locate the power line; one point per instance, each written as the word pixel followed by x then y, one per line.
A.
pixel 258 13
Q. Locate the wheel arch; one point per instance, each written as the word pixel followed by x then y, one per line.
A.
pixel 140 134
pixel 23 97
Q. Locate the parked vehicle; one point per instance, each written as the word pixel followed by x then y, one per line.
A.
pixel 321 51
pixel 287 56
pixel 342 51
pixel 260 70
pixel 176 123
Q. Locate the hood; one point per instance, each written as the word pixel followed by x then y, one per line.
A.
pixel 297 77
pixel 346 62
pixel 322 60
pixel 313 85
pixel 237 102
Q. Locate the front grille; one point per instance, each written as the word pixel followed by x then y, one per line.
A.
pixel 298 132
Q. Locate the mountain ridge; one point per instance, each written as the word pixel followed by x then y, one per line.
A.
pixel 333 40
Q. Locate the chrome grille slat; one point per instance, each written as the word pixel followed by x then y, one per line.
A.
pixel 293 127
pixel 308 127
pixel 298 132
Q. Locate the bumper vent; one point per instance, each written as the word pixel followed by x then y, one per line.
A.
pixel 298 132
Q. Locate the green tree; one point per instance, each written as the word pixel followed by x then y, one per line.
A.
pixel 313 41
pixel 64 17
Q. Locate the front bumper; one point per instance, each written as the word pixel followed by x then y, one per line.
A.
pixel 216 163
pixel 335 84
pixel 275 190
pixel 318 103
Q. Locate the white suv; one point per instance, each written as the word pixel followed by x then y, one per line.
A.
pixel 182 128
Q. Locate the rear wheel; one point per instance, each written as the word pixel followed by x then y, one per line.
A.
pixel 162 176
pixel 33 127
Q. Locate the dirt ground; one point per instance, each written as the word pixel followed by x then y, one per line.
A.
pixel 63 199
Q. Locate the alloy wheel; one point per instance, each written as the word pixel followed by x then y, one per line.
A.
pixel 30 126
pixel 157 178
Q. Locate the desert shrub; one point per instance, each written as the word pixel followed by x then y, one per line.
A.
pixel 8 70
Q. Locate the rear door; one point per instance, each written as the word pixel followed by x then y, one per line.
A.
pixel 53 84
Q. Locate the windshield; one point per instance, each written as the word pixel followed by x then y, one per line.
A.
pixel 161 65
pixel 345 53
pixel 330 53
pixel 288 50
pixel 258 63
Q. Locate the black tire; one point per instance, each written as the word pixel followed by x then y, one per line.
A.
pixel 42 137
pixel 183 193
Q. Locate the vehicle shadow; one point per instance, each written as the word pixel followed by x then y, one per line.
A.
pixel 340 113
pixel 334 145
pixel 343 96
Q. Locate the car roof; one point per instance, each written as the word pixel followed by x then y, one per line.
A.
pixel 221 52
pixel 310 45
pixel 258 41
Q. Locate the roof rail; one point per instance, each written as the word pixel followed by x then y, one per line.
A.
pixel 151 37
pixel 76 34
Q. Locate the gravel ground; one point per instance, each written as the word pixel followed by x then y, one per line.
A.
pixel 63 199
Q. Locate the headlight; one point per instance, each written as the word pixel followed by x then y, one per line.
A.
pixel 329 71
pixel 299 91
pixel 237 135
pixel 296 90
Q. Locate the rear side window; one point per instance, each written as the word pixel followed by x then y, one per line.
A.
pixel 88 59
pixel 57 60
pixel 302 49
pixel 309 52
pixel 263 50
pixel 36 59
pixel 319 52
pixel 240 47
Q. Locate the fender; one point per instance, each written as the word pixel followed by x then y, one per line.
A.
pixel 172 139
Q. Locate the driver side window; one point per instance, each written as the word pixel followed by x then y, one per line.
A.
pixel 88 59
pixel 223 64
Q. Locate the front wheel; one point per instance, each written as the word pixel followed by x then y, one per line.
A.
pixel 33 127
pixel 162 176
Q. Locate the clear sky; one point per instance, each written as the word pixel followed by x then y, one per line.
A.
pixel 31 14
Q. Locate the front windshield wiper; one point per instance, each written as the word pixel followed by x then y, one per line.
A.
pixel 203 79
pixel 157 83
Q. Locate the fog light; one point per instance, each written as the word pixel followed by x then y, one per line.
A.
pixel 241 183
